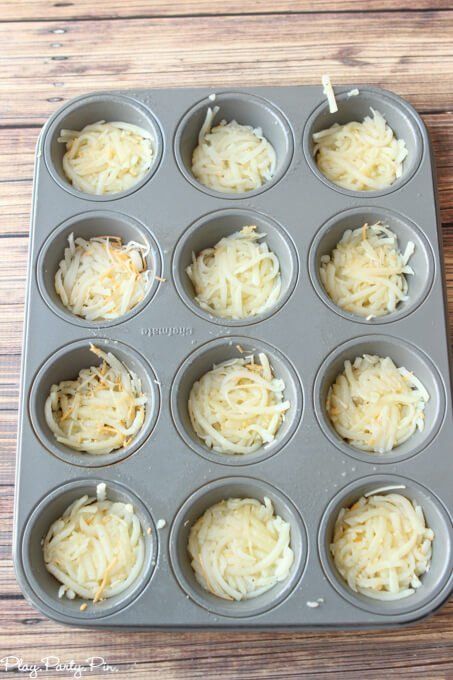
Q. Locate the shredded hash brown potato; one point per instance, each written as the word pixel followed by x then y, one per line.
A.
pixel 360 156
pixel 374 405
pixel 106 158
pixel 238 406
pixel 381 546
pixel 102 279
pixel 237 278
pixel 240 548
pixel 366 273
pixel 95 549
pixel 231 157
pixel 328 91
pixel 100 411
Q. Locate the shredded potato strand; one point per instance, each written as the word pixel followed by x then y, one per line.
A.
pixel 366 273
pixel 237 278
pixel 328 91
pixel 106 158
pixel 360 156
pixel 102 279
pixel 381 546
pixel 240 549
pixel 231 157
pixel 376 406
pixel 95 549
pixel 238 406
pixel 100 411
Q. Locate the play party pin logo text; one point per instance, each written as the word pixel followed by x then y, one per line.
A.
pixel 56 665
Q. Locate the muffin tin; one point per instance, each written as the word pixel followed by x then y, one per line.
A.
pixel 166 472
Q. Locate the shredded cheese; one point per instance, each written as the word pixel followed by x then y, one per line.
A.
pixel 238 406
pixel 237 278
pixel 360 156
pixel 95 549
pixel 328 91
pixel 381 546
pixel 106 158
pixel 101 278
pixel 240 548
pixel 231 157
pixel 103 409
pixel 374 405
pixel 366 273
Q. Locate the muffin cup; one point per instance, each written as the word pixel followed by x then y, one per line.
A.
pixel 400 116
pixel 202 500
pixel 91 109
pixel 200 362
pixel 207 232
pixel 434 581
pixel 245 109
pixel 65 364
pixel 45 586
pixel 89 225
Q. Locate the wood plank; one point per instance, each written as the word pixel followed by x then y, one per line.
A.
pixel 290 49
pixel 17 151
pixel 13 267
pixel 9 382
pixel 8 432
pixel 15 202
pixel 246 655
pixel 428 649
pixel 29 10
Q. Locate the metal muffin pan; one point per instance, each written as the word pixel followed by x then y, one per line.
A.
pixel 167 473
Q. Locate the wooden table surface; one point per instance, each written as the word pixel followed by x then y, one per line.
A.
pixel 52 51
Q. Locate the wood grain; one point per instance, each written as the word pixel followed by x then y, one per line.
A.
pixel 251 656
pixel 24 10
pixel 53 50
pixel 388 49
